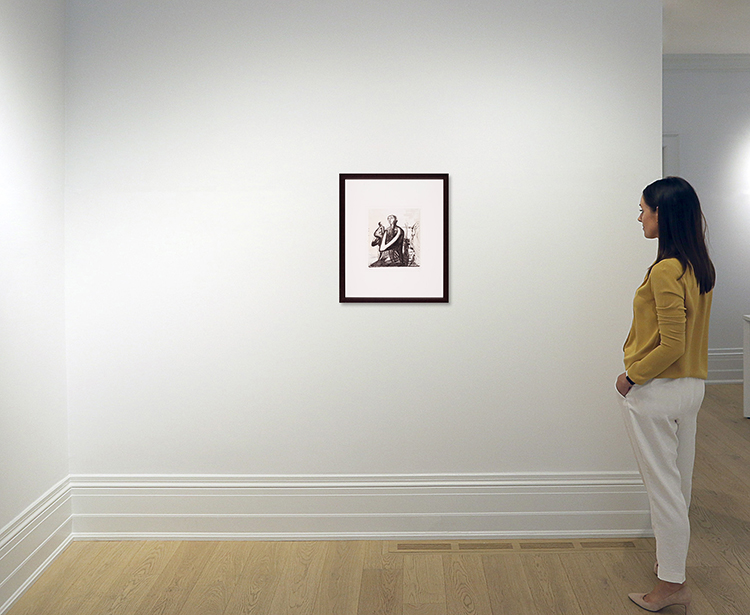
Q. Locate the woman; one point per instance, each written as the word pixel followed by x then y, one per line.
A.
pixel 666 362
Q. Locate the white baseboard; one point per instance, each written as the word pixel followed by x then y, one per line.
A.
pixel 707 61
pixel 359 507
pixel 725 366
pixel 32 541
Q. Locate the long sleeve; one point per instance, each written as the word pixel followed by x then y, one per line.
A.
pixel 669 302
pixel 669 335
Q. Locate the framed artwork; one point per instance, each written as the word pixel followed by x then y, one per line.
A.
pixel 393 237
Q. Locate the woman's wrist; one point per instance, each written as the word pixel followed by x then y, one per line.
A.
pixel 629 380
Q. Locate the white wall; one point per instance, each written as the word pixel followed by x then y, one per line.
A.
pixel 35 511
pixel 707 105
pixel 33 426
pixel 204 144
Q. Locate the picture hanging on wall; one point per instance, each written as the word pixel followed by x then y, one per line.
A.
pixel 393 237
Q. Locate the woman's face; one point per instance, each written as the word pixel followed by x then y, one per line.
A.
pixel 649 218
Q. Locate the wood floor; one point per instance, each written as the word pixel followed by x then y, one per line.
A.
pixel 492 577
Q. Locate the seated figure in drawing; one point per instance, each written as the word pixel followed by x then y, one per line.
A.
pixel 390 244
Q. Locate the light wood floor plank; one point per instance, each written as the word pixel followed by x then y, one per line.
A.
pixel 424 584
pixel 726 594
pixel 301 576
pixel 152 560
pixel 550 585
pixel 378 556
pixel 507 584
pixel 719 474
pixel 726 403
pixel 705 541
pixel 214 589
pixel 46 594
pixel 700 603
pixel 424 609
pixel 260 577
pixel 726 443
pixel 177 579
pixel 466 585
pixel 591 582
pixel 341 579
pixel 96 588
pixel 719 521
pixel 381 592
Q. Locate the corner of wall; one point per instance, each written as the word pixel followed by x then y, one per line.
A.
pixel 33 540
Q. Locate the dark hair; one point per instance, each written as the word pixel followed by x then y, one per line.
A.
pixel 682 228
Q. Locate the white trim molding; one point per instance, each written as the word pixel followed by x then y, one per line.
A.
pixel 30 542
pixel 378 507
pixel 746 366
pixel 706 61
pixel 725 366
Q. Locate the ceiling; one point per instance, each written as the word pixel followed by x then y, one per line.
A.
pixel 706 26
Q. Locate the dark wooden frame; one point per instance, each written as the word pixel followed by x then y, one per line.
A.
pixel 441 296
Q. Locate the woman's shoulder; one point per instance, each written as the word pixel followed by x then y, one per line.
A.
pixel 670 273
pixel 669 267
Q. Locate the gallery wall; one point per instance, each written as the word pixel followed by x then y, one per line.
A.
pixel 204 143
pixel 707 115
pixel 33 425
pixel 35 507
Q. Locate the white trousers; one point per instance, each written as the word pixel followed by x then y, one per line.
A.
pixel 661 418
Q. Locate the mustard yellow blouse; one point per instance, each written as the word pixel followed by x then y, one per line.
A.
pixel 669 334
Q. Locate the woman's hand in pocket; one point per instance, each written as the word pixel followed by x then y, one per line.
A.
pixel 622 385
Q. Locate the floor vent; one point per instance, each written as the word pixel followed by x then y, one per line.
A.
pixel 522 546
